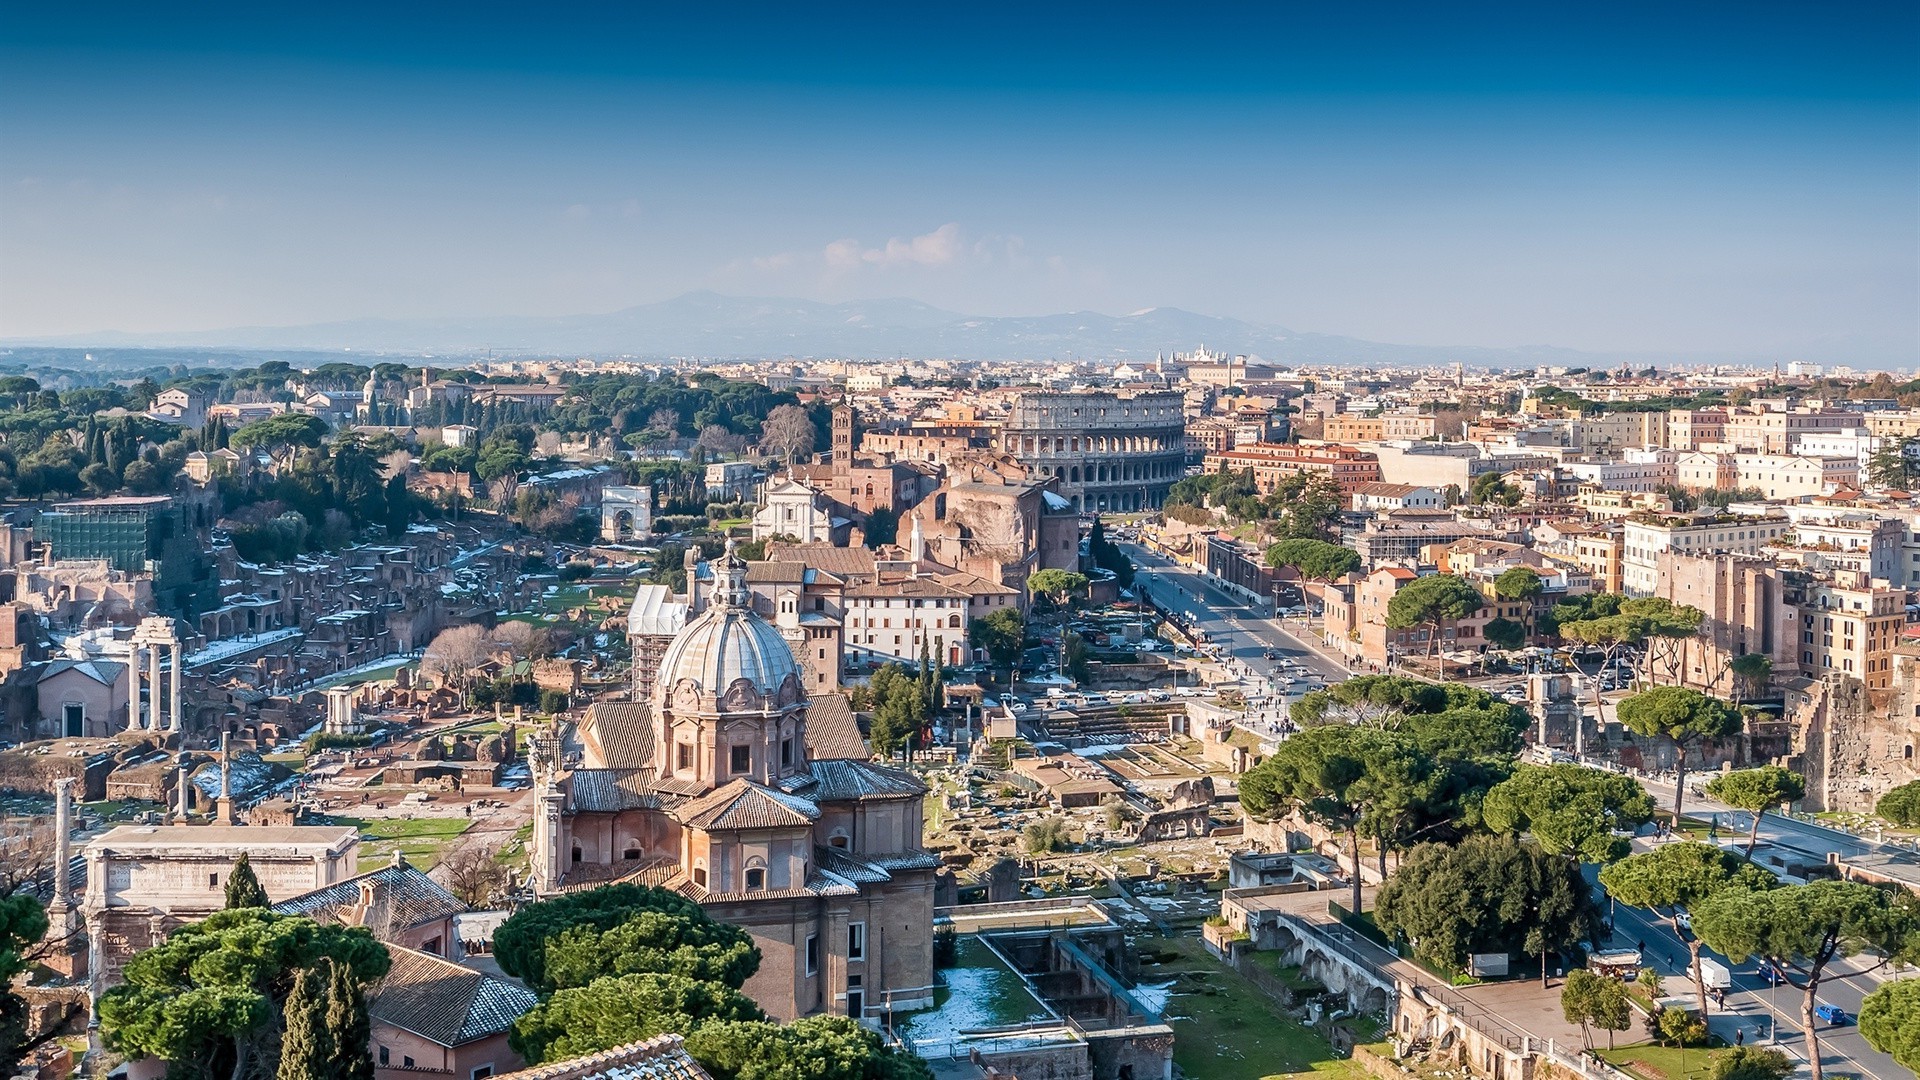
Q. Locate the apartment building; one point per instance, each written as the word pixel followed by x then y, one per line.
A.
pixel 1827 542
pixel 1894 423
pixel 1775 476
pixel 1616 431
pixel 1273 463
pixel 1380 495
pixel 1644 541
pixel 1637 470
pixel 1689 429
pixel 1352 427
pixel 1848 625
pixel 1769 431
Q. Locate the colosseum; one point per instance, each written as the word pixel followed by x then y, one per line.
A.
pixel 1112 451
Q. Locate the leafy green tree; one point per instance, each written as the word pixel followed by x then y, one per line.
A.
pixel 1751 1063
pixel 1316 560
pixel 1750 672
pixel 209 1000
pixel 1334 775
pixel 243 888
pixel 1570 810
pixel 882 527
pixel 1589 999
pixel 1679 1027
pixel 1674 878
pixel 1755 790
pixel 811 1048
pixel 1432 601
pixel 1058 586
pixel 1001 634
pixel 1505 634
pixel 1901 805
pixel 1518 583
pixel 280 434
pixel 1045 836
pixel 572 939
pixel 1801 929
pixel 614 1010
pixel 306 1046
pixel 899 709
pixel 1486 894
pixel 23 925
pixel 1683 717
pixel 1108 556
pixel 1890 1021
pixel 1892 466
pixel 348 1025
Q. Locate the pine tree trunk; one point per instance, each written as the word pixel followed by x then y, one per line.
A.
pixel 1807 1021
pixel 1699 981
pixel 1353 838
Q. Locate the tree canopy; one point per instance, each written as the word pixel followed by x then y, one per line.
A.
pixel 1518 583
pixel 280 432
pixel 1059 586
pixel 811 1048
pixel 1801 929
pixel 1756 791
pixel 1487 894
pixel 1316 560
pixel 1590 999
pixel 572 939
pixel 1001 634
pixel 210 999
pixel 1571 810
pixel 1890 1021
pixel 1901 805
pixel 1682 716
pixel 614 1010
pixel 243 887
pixel 1673 878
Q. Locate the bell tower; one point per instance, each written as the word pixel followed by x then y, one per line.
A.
pixel 843 445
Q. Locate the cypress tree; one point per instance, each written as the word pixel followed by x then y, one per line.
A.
pixel 243 888
pixel 306 1044
pixel 348 1031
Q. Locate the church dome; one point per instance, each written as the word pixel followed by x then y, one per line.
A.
pixel 728 643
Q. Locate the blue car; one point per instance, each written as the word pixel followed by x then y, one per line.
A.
pixel 1832 1014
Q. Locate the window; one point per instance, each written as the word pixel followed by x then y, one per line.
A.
pixel 813 954
pixel 632 852
pixel 481 1072
pixel 786 751
pixel 576 853
pixel 740 758
pixel 213 881
pixel 383 1055
pixel 839 839
pixel 683 756
pixel 700 876
pixel 406 1063
pixel 857 941
pixel 756 878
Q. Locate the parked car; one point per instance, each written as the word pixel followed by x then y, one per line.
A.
pixel 1832 1014
pixel 1270 654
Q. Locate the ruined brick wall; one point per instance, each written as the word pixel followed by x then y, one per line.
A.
pixel 1853 744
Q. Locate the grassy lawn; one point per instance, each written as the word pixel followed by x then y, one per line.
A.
pixel 1225 1028
pixel 513 853
pixel 421 840
pixel 1655 1062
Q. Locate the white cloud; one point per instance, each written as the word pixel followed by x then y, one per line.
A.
pixel 941 247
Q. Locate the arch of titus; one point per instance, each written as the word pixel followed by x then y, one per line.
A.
pixel 154 634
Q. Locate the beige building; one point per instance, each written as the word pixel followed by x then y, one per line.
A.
pixel 1350 427
pixel 1769 431
pixel 1689 429
pixel 145 880
pixel 1644 541
pixel 1741 598
pixel 721 789
pixel 1775 476
pixel 1848 626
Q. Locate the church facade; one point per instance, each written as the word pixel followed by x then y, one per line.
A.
pixel 716 788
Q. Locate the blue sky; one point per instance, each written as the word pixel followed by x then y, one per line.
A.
pixel 1703 178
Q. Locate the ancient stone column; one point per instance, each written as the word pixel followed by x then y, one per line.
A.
pixel 133 687
pixel 185 802
pixel 175 724
pixel 153 686
pixel 62 840
pixel 226 781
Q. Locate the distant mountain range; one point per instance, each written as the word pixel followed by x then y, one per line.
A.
pixel 709 325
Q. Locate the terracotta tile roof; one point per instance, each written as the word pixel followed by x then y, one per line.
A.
pixel 840 561
pixel 923 586
pixel 607 790
pixel 832 731
pixel 663 1057
pixel 410 897
pixel 618 734
pixel 442 1002
pixel 851 781
pixel 744 804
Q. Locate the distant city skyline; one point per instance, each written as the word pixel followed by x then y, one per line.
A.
pixel 1611 178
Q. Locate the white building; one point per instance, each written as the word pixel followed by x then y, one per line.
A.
pixel 1643 542
pixel 890 620
pixel 793 509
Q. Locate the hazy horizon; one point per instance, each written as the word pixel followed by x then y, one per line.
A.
pixel 1620 179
